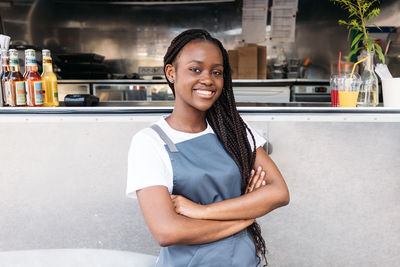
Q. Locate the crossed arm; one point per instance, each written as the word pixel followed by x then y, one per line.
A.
pixel 171 228
pixel 176 220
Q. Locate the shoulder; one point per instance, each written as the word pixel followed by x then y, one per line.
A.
pixel 148 162
pixel 146 138
pixel 147 144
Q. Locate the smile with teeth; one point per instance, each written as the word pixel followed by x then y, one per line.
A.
pixel 204 92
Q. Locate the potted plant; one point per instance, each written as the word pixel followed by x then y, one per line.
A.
pixel 360 14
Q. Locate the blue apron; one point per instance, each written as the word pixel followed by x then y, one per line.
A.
pixel 204 172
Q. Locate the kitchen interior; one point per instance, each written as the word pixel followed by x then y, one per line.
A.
pixel 114 49
pixel 63 168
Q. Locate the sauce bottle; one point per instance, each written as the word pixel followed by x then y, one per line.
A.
pixel 5 71
pixel 33 81
pixel 15 85
pixel 49 80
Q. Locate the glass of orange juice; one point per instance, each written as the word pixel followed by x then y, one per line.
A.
pixel 348 87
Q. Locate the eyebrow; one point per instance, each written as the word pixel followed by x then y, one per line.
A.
pixel 201 62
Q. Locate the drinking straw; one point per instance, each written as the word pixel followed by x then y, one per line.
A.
pixel 387 47
pixel 354 67
pixel 340 61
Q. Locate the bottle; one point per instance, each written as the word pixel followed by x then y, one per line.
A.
pixel 281 59
pixel 33 81
pixel 281 62
pixel 25 72
pixel 15 85
pixel 369 91
pixel 49 80
pixel 5 71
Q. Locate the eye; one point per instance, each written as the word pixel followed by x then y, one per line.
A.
pixel 194 69
pixel 217 73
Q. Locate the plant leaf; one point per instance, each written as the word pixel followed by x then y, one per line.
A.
pixel 369 45
pixel 377 26
pixel 373 13
pixel 355 25
pixel 353 52
pixel 379 51
pixel 360 12
pixel 356 40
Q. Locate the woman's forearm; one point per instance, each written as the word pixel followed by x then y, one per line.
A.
pixel 256 203
pixel 248 206
pixel 183 230
pixel 170 228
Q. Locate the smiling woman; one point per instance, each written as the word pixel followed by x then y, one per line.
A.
pixel 197 73
pixel 200 174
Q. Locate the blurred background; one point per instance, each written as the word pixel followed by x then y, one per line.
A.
pixel 129 34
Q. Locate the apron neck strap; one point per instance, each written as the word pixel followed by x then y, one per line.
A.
pixel 165 138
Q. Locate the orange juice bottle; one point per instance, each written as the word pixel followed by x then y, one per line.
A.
pixel 33 81
pixel 49 80
pixel 5 71
pixel 15 84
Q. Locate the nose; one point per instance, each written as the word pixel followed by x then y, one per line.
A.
pixel 206 79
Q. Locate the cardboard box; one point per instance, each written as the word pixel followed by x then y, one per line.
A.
pixel 261 62
pixel 233 61
pixel 251 60
pixel 248 62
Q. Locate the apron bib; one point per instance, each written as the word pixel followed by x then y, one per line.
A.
pixel 204 172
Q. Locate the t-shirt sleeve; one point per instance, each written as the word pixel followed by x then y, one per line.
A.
pixel 260 140
pixel 145 166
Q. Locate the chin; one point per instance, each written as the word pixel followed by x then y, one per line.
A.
pixel 203 107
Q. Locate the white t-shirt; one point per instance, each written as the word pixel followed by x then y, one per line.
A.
pixel 148 160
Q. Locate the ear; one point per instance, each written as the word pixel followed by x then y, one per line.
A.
pixel 170 72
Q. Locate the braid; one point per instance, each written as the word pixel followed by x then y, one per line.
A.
pixel 226 122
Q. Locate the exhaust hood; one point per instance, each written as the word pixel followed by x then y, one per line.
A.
pixel 145 2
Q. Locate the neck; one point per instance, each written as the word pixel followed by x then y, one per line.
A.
pixel 190 121
pixel 15 68
pixel 47 68
pixel 32 69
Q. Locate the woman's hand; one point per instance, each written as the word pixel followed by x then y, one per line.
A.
pixel 187 207
pixel 259 199
pixel 256 180
pixel 170 228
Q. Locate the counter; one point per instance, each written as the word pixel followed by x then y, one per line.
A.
pixel 270 112
pixel 267 91
pixel 63 178
pixel 265 82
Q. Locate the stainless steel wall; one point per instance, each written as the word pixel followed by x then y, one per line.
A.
pixel 69 191
pixel 127 35
pixel 133 35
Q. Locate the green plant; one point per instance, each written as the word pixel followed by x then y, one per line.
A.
pixel 361 12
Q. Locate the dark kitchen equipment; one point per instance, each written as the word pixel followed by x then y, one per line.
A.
pixel 82 75
pixel 76 67
pixel 81 100
pixel 81 58
pixel 82 66
pixel 311 93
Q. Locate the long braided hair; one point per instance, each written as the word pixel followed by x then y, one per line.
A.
pixel 225 120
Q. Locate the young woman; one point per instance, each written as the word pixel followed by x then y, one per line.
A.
pixel 200 174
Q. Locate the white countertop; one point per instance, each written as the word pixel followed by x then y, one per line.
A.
pixel 256 113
